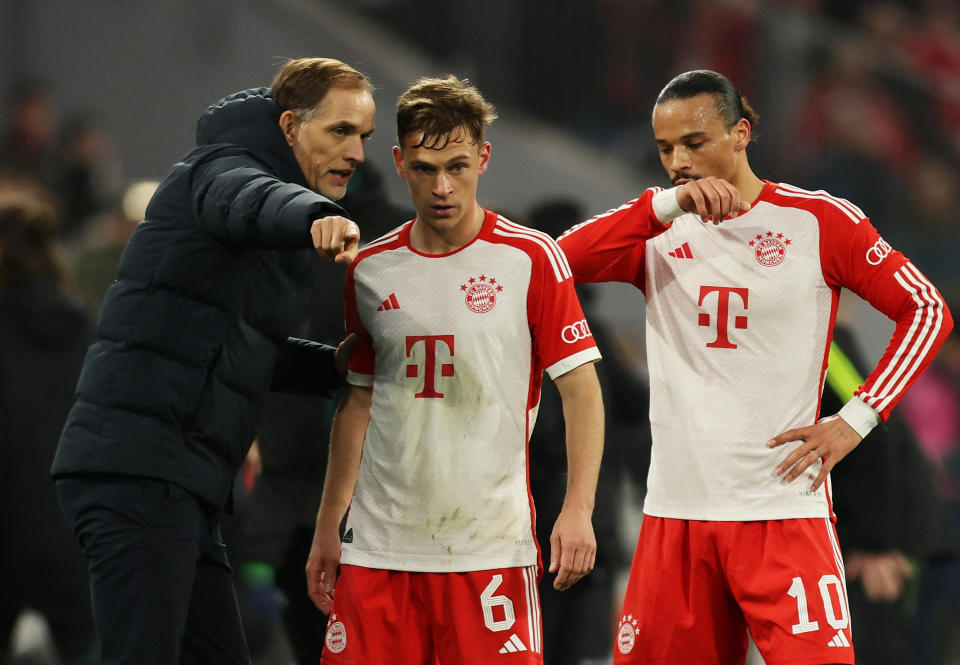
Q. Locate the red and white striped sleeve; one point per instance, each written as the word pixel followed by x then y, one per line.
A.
pixel 854 256
pixel 610 247
pixel 362 363
pixel 559 330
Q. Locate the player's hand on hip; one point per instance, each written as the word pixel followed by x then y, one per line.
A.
pixel 573 548
pixel 336 238
pixel 829 440
pixel 714 199
pixel 322 567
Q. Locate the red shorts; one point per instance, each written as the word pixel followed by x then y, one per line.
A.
pixel 401 618
pixel 695 589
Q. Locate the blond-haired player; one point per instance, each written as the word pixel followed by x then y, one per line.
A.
pixel 461 311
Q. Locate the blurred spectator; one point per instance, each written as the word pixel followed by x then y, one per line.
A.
pixel 86 170
pixel 721 35
pixel 43 338
pixel 96 250
pixel 892 27
pixel 933 411
pixel 77 161
pixel 562 44
pixel 934 414
pixel 846 12
pixel 29 132
pixel 933 51
pixel 847 111
pixel 850 136
pixel 634 66
pixel 926 227
pixel 782 64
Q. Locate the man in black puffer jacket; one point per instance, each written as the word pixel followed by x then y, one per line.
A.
pixel 191 337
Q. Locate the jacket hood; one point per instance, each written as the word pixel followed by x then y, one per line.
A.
pixel 250 119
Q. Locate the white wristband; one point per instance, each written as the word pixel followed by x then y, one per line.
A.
pixel 860 416
pixel 665 205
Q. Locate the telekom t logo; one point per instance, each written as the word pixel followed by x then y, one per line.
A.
pixel 723 314
pixel 429 362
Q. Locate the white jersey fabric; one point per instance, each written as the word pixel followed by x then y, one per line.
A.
pixel 455 347
pixel 738 327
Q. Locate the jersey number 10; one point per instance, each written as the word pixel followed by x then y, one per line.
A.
pixel 805 625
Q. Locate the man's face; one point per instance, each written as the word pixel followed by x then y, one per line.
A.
pixel 442 182
pixel 329 145
pixel 694 141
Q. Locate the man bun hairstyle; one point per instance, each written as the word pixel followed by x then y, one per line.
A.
pixel 301 84
pixel 730 103
pixel 438 107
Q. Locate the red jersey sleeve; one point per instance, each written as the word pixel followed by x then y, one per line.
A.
pixel 853 255
pixel 611 247
pixel 561 336
pixel 362 359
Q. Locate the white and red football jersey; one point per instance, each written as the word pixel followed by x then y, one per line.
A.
pixel 455 347
pixel 739 321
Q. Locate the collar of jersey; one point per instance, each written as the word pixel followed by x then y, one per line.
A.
pixel 489 219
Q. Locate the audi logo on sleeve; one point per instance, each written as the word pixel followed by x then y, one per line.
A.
pixel 880 250
pixel 576 331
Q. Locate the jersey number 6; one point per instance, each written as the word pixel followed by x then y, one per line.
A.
pixel 488 601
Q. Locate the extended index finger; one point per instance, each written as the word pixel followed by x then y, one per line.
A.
pixel 337 235
pixel 346 233
pixel 333 235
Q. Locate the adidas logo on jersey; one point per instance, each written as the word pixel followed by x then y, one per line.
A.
pixel 682 252
pixel 389 303
pixel 839 640
pixel 513 645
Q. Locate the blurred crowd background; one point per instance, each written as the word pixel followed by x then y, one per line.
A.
pixel 859 98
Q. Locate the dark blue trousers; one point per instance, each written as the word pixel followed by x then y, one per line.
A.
pixel 161 586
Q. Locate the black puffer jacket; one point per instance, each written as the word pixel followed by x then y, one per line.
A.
pixel 210 286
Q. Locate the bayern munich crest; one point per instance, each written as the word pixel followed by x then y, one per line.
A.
pixel 769 248
pixel 481 293
pixel 627 634
pixel 336 640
